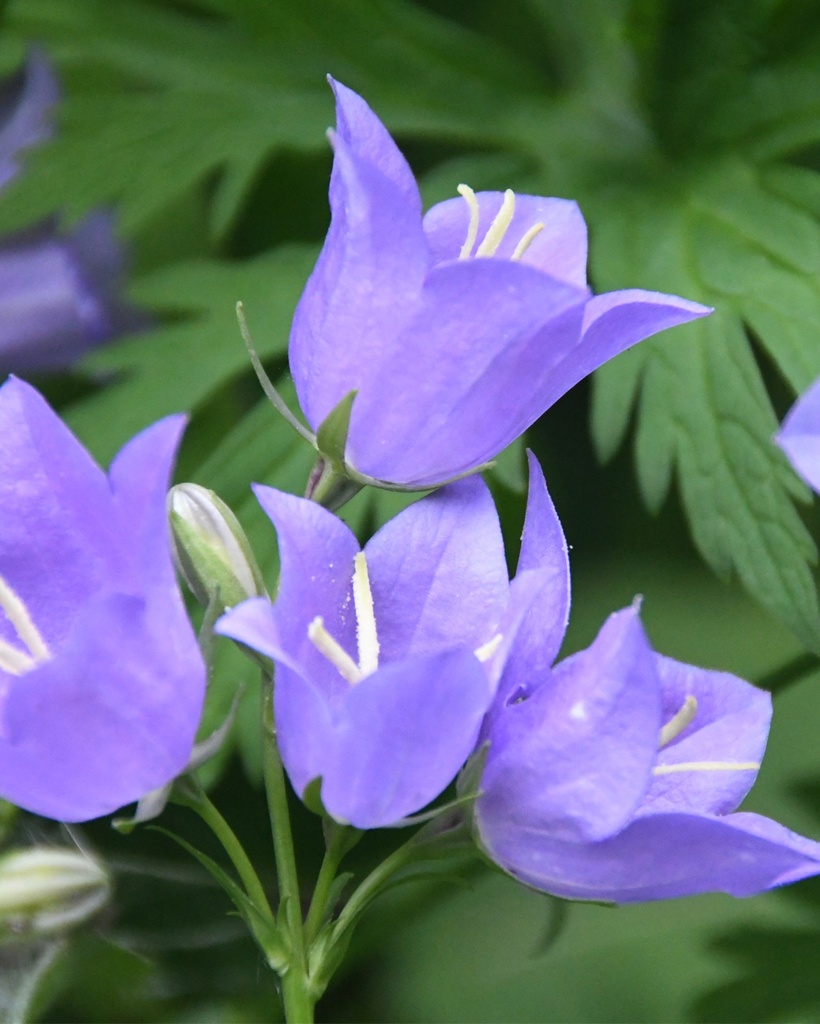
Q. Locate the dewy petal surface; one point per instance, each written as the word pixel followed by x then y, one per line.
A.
pixel 799 437
pixel 559 249
pixel 113 712
pixel 574 760
pixel 660 857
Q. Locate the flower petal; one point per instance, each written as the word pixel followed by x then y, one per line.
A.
pixel 559 249
pixel 398 739
pixel 574 759
pixel 731 725
pixel 363 289
pixel 486 336
pixel 799 437
pixel 27 123
pixel 111 718
pixel 438 573
pixel 658 857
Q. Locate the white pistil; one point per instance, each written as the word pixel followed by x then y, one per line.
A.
pixel 366 635
pixel 498 228
pixel 11 659
pixel 486 651
pixel 331 649
pixel 527 240
pixel 706 766
pixel 675 726
pixel 475 213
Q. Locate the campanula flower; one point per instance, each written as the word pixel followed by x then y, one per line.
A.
pixel 799 437
pixel 615 775
pixel 456 330
pixel 101 679
pixel 59 291
pixel 387 657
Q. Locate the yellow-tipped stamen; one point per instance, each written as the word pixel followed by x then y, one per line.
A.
pixel 331 649
pixel 366 635
pixel 498 228
pixel 706 766
pixel 675 726
pixel 475 213
pixel 527 240
pixel 15 662
pixel 18 616
pixel 486 651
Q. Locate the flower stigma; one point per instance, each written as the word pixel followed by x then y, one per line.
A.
pixel 367 639
pixel 497 230
pixel 12 659
pixel 674 727
pixel 486 651
pixel 678 722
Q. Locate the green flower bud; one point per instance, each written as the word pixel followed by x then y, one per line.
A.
pixel 210 548
pixel 46 889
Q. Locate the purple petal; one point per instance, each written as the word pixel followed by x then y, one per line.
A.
pixel 370 141
pixel 658 857
pixel 486 336
pixel 731 726
pixel 112 717
pixel 438 573
pixel 57 516
pixel 398 739
pixel 316 553
pixel 614 322
pixel 25 104
pixel 574 759
pixel 559 249
pixel 543 549
pixel 254 624
pixel 799 437
pixel 363 289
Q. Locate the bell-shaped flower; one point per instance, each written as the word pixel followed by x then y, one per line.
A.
pixel 386 657
pixel 101 679
pixel 615 775
pixel 799 437
pixel 28 96
pixel 456 331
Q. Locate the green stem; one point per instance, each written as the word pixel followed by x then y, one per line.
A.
pixel 780 678
pixel 296 991
pixel 196 799
pixel 335 850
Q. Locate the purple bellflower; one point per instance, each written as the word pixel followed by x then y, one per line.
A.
pixel 614 775
pixel 59 292
pixel 799 437
pixel 387 657
pixel 101 678
pixel 456 330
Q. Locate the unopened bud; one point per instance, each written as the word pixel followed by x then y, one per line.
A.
pixel 45 889
pixel 210 548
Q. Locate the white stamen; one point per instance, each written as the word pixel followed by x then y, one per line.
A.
pixel 675 726
pixel 366 636
pixel 15 662
pixel 498 228
pixel 475 213
pixel 706 766
pixel 527 239
pixel 18 616
pixel 331 649
pixel 486 651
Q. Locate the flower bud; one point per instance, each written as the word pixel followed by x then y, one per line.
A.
pixel 210 548
pixel 45 889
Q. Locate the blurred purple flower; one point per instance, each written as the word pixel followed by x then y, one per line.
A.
pixel 59 292
pixel 613 775
pixel 101 679
pixel 380 687
pixel 452 354
pixel 799 437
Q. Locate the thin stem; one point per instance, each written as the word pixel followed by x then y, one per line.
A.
pixel 780 678
pixel 296 992
pixel 197 801
pixel 335 850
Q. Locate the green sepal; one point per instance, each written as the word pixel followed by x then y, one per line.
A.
pixel 259 920
pixel 331 437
